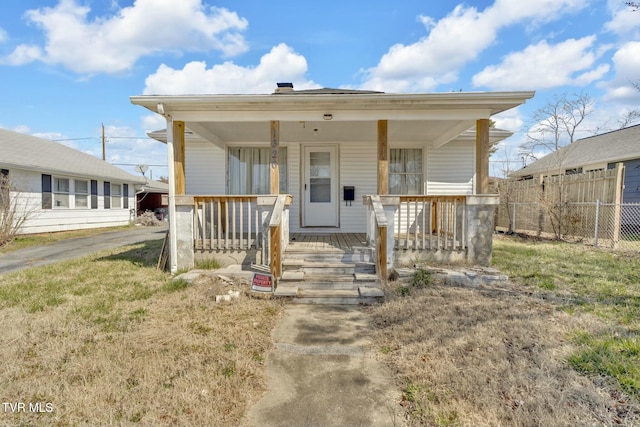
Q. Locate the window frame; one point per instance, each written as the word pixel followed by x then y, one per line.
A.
pixel 77 194
pixel 404 174
pixel 58 194
pixel 116 197
pixel 283 159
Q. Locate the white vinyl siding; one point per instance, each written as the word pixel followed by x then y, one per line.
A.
pixel 205 165
pixel 451 168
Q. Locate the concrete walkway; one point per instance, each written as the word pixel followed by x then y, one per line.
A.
pixel 323 372
pixel 78 247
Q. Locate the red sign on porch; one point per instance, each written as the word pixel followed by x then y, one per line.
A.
pixel 262 282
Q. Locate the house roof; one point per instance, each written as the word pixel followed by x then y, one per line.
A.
pixel 336 115
pixel 614 146
pixel 28 152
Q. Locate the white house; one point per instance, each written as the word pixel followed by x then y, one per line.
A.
pixel 62 188
pixel 407 171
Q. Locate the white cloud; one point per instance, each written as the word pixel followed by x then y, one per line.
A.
pixel 625 21
pixel 152 122
pixel 626 63
pixel 280 64
pixel 454 41
pixel 23 54
pixel 113 44
pixel 3 35
pixel 543 66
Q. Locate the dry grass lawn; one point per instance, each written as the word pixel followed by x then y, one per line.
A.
pixel 515 355
pixel 109 340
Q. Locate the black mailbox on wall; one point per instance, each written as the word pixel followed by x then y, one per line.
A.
pixel 349 194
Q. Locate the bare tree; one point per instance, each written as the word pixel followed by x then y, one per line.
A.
pixel 634 5
pixel 553 127
pixel 14 209
pixel 555 124
pixel 630 117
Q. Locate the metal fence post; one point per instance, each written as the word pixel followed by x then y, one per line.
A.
pixel 513 218
pixel 595 242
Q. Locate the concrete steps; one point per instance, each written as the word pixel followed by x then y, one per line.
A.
pixel 329 276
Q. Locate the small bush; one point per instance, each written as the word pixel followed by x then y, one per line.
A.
pixel 422 279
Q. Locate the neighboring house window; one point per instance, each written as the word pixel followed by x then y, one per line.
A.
pixel 116 196
pixel 573 171
pixel 249 170
pixel 60 192
pixel 81 194
pixel 405 171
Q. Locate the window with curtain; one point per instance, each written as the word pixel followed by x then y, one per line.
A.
pixel 81 194
pixel 249 170
pixel 405 171
pixel 116 196
pixel 60 192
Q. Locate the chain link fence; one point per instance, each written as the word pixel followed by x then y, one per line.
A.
pixel 609 225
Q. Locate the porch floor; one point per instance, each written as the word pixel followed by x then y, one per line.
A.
pixel 326 241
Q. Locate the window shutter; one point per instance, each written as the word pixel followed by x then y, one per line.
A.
pixel 94 194
pixel 47 197
pixel 125 196
pixel 107 195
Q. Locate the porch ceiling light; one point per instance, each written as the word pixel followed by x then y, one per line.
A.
pixel 328 116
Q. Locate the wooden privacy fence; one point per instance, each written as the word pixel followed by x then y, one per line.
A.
pixel 603 185
pixel 561 205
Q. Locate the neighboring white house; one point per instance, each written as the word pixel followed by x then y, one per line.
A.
pixel 329 150
pixel 65 189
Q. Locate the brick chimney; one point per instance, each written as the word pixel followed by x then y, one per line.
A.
pixel 284 87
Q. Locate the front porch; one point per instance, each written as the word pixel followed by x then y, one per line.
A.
pixel 400 230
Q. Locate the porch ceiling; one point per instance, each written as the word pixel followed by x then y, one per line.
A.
pixel 323 131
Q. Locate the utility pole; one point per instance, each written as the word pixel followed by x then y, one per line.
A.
pixel 104 157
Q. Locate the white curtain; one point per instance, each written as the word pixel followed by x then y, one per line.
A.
pixel 405 171
pixel 249 170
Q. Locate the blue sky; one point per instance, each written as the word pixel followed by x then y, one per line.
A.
pixel 67 66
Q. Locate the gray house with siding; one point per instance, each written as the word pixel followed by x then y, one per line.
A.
pixel 597 152
pixel 62 188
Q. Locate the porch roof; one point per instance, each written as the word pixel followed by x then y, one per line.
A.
pixel 328 116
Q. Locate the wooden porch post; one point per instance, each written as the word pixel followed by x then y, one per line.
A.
pixel 482 156
pixel 383 158
pixel 275 167
pixel 178 158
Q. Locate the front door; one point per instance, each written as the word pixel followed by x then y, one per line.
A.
pixel 320 186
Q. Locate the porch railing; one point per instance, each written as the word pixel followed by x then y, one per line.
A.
pixel 430 223
pixel 229 222
pixel 226 222
pixel 377 233
pixel 278 235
